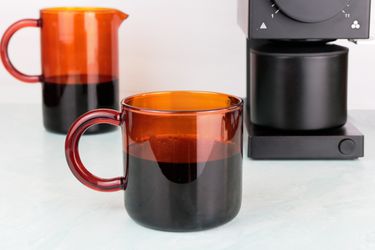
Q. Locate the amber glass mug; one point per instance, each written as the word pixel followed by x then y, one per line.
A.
pixel 79 49
pixel 182 158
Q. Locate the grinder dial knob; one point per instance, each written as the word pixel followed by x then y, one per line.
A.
pixel 311 11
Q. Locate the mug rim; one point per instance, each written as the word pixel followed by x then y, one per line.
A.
pixel 236 106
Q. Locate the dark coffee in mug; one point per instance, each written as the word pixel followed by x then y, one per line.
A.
pixel 65 98
pixel 184 194
pixel 182 158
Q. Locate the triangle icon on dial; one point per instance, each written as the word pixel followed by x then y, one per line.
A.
pixel 263 26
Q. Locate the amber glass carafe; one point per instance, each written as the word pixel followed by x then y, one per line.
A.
pixel 80 69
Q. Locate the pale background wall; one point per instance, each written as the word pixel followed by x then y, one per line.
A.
pixel 169 44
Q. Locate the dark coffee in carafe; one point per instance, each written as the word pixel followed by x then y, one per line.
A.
pixel 66 98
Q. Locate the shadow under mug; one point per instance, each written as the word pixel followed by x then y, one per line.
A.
pixel 79 50
pixel 182 158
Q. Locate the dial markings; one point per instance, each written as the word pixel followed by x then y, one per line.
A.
pixel 276 10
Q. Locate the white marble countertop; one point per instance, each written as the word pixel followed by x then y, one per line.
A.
pixel 286 204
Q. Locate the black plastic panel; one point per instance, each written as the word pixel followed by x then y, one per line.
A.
pixel 268 21
pixel 336 144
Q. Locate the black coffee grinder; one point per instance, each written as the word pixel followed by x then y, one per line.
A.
pixel 297 79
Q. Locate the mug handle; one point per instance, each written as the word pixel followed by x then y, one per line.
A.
pixel 98 116
pixel 4 49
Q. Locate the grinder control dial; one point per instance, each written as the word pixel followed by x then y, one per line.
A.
pixel 311 11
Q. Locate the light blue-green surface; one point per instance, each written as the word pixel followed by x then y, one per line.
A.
pixel 286 204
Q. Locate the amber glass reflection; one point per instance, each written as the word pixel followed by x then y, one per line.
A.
pixel 80 44
pixel 200 119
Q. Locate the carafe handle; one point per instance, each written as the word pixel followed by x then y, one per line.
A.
pixel 99 116
pixel 4 49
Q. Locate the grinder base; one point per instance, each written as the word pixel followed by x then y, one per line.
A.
pixel 343 143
